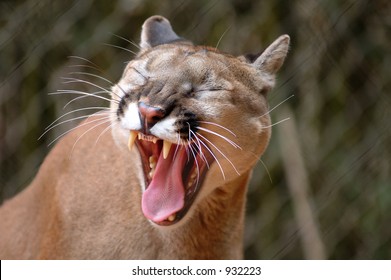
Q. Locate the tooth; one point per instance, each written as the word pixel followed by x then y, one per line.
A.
pixel 166 148
pixel 154 140
pixel 152 159
pixel 152 162
pixel 132 137
pixel 171 218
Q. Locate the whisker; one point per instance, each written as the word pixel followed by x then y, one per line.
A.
pixel 74 111
pixel 267 170
pixel 194 153
pixel 187 152
pixel 49 128
pixel 178 144
pixel 189 134
pixel 221 136
pixel 214 156
pixel 99 77
pixel 286 99
pixel 121 48
pixel 200 149
pixel 85 66
pixel 219 125
pixel 281 121
pixel 88 130
pixel 221 37
pixel 72 129
pixel 95 66
pixel 74 119
pixel 206 139
pixel 127 40
pixel 203 157
pixel 74 80
pixel 72 91
pixel 104 131
pixel 83 95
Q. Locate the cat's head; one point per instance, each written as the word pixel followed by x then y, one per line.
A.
pixel 197 117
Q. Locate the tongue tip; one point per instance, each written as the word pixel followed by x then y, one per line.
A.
pixel 158 215
pixel 157 209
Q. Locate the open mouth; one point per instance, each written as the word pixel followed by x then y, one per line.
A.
pixel 173 175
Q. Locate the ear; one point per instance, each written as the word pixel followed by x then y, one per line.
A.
pixel 273 57
pixel 156 31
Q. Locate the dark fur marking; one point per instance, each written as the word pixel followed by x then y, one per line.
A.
pixel 186 120
pixel 121 105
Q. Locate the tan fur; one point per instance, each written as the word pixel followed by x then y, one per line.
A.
pixel 85 200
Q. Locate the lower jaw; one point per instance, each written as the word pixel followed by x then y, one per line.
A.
pixel 190 197
pixel 199 164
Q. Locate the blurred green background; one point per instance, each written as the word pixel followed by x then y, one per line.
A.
pixel 329 190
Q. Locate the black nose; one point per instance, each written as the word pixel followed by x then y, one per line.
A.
pixel 150 115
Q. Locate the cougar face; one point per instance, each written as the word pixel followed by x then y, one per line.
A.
pixel 197 117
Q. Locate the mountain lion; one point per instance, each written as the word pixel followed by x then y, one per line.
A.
pixel 188 123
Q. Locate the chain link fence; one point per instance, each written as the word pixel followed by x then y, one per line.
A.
pixel 323 188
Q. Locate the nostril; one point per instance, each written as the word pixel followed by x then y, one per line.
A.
pixel 150 114
pixel 156 118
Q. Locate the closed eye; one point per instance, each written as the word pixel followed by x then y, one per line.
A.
pixel 194 91
pixel 139 78
pixel 210 89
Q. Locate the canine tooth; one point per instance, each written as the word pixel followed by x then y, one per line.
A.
pixel 150 174
pixel 132 137
pixel 154 140
pixel 171 218
pixel 166 148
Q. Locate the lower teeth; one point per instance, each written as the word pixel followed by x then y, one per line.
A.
pixel 171 218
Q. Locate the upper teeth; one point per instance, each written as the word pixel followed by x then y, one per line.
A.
pixel 132 137
pixel 166 148
pixel 134 134
pixel 149 138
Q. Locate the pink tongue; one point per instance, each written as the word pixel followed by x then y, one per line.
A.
pixel 165 194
